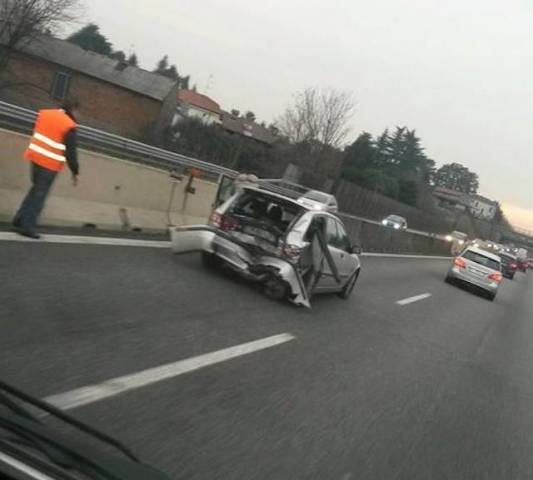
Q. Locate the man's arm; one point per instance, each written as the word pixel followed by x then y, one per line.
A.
pixel 71 153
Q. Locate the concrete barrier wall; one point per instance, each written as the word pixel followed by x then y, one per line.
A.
pixel 375 238
pixel 110 194
pixel 115 193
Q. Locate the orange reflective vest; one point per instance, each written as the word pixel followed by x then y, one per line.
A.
pixel 47 147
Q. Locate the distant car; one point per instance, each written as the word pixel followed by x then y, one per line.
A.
pixel 522 259
pixel 509 265
pixel 477 268
pixel 317 200
pixel 458 241
pixel 395 221
pixel 457 236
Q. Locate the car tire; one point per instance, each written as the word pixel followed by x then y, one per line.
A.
pixel 210 261
pixel 449 279
pixel 491 296
pixel 350 285
pixel 275 288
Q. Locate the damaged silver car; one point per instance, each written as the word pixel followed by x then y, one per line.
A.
pixel 266 236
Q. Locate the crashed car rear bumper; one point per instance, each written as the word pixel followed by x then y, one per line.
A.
pixel 254 266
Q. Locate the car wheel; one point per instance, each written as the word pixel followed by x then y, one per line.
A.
pixel 491 296
pixel 275 288
pixel 449 279
pixel 350 285
pixel 210 261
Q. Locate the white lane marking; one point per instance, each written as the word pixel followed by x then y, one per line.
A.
pixel 81 240
pixel 416 298
pixel 397 255
pixel 93 393
pixel 22 467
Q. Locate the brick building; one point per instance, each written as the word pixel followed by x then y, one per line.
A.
pixel 114 96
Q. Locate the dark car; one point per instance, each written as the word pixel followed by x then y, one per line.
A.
pixel 509 265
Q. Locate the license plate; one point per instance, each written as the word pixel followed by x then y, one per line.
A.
pixel 260 233
pixel 477 272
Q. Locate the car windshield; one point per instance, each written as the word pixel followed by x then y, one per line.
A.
pixel 265 209
pixel 317 196
pixel 395 218
pixel 481 259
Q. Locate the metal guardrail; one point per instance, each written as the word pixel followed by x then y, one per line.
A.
pixel 22 119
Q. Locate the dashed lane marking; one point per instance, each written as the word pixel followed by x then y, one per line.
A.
pixel 416 298
pixel 115 386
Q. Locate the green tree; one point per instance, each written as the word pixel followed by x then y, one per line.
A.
pixel 167 70
pixel 249 115
pixel 118 55
pixel 133 60
pixel 456 177
pixel 360 155
pixel 170 71
pixel 90 38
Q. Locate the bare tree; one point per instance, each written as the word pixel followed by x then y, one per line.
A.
pixel 319 115
pixel 22 20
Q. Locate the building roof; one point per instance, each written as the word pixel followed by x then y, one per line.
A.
pixel 247 128
pixel 99 66
pixel 199 100
pixel 448 192
pixel 481 198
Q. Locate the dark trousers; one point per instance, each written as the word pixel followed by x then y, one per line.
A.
pixel 30 209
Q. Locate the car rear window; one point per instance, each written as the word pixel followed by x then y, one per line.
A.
pixel 481 259
pixel 265 210
pixel 507 258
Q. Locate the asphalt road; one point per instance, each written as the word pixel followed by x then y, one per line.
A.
pixel 441 388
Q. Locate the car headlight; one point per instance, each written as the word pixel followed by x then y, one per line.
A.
pixel 397 227
pixel 461 242
pixel 448 238
pixel 384 222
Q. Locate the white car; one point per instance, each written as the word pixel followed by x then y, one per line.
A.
pixel 477 268
pixel 293 251
pixel 317 200
pixel 395 221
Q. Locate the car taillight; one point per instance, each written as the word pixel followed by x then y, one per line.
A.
pixel 459 262
pixel 215 220
pixel 497 277
pixel 223 221
pixel 514 265
pixel 229 223
pixel 292 252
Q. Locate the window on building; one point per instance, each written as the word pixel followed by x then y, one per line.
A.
pixel 61 86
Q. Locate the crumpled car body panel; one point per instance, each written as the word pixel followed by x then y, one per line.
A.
pixel 242 258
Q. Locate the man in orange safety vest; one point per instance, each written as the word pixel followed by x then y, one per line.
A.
pixel 52 145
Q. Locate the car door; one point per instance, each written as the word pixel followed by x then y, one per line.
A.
pixel 348 263
pixel 329 280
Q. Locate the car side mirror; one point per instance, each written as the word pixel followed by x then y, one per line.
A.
pixel 355 249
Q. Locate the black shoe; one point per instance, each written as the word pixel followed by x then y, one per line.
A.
pixel 28 233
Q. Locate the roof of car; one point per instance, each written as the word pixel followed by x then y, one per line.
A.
pixel 480 251
pixel 276 195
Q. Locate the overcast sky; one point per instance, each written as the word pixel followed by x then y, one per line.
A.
pixel 459 72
